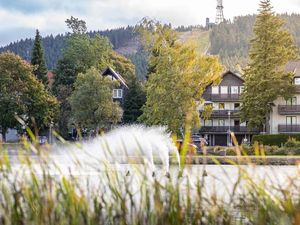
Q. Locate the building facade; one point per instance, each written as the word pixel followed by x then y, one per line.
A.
pixel 285 115
pixel 224 103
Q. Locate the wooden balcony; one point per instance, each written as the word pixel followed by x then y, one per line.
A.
pixel 289 128
pixel 222 97
pixel 225 129
pixel 289 109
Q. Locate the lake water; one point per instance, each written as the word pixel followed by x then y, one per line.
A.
pixel 220 179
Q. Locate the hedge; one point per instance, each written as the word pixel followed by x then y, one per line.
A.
pixel 274 139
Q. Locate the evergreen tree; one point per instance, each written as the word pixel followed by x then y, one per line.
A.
pixel 38 60
pixel 135 98
pixel 266 78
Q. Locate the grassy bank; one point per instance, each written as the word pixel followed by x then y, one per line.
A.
pixel 34 195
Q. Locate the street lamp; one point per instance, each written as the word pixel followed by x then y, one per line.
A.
pixel 50 132
pixel 229 138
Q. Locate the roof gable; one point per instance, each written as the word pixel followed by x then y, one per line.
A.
pixel 112 72
pixel 239 76
pixel 293 66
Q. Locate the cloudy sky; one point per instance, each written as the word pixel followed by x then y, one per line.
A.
pixel 20 18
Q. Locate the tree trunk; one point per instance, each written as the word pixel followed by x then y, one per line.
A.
pixel 4 134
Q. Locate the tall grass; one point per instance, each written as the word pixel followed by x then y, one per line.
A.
pixel 32 193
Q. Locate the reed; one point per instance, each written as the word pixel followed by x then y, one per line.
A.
pixel 32 193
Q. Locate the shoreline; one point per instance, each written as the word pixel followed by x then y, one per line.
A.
pixel 242 160
pixel 199 160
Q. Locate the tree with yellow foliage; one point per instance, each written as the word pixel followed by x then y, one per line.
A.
pixel 177 78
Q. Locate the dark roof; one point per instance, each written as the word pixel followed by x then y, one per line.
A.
pixel 112 72
pixel 293 66
pixel 239 76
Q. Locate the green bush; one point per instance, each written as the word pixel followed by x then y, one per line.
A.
pixel 271 150
pixel 280 152
pixel 275 139
pixel 292 143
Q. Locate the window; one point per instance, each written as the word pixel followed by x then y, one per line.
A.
pixel 224 90
pixel 297 80
pixel 234 90
pixel 291 120
pixel 208 105
pixel 215 90
pixel 221 106
pixel 237 123
pixel 237 106
pixel 241 89
pixel 291 101
pixel 208 123
pixel 117 93
pixel 221 123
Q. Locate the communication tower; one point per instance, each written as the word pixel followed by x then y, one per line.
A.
pixel 220 15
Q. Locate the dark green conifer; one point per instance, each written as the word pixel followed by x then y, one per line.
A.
pixel 135 98
pixel 38 60
pixel 265 77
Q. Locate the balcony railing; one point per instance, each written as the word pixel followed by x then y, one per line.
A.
pixel 224 113
pixel 222 97
pixel 289 109
pixel 288 128
pixel 225 129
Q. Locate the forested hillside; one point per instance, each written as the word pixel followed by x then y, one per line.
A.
pixel 231 40
pixel 53 45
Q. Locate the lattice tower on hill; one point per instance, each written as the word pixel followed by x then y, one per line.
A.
pixel 220 15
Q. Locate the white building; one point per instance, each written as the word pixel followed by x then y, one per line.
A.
pixel 285 115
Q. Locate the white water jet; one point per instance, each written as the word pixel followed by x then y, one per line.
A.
pixel 123 145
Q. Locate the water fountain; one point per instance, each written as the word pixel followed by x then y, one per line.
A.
pixel 125 144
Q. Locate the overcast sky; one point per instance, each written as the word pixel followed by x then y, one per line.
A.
pixel 20 18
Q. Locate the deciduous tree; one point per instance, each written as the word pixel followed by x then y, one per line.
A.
pixel 81 53
pixel 91 101
pixel 22 94
pixel 177 79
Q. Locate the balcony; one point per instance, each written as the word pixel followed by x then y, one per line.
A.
pixel 222 97
pixel 224 113
pixel 289 109
pixel 224 129
pixel 288 128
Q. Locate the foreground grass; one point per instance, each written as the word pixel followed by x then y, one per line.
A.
pixel 32 194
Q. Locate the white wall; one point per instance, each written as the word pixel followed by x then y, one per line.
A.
pixel 276 119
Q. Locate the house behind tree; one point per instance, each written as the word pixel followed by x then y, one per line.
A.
pixel 225 102
pixel 119 91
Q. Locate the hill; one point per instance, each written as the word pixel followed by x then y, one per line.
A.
pixel 198 37
pixel 124 40
pixel 229 40
pixel 53 45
